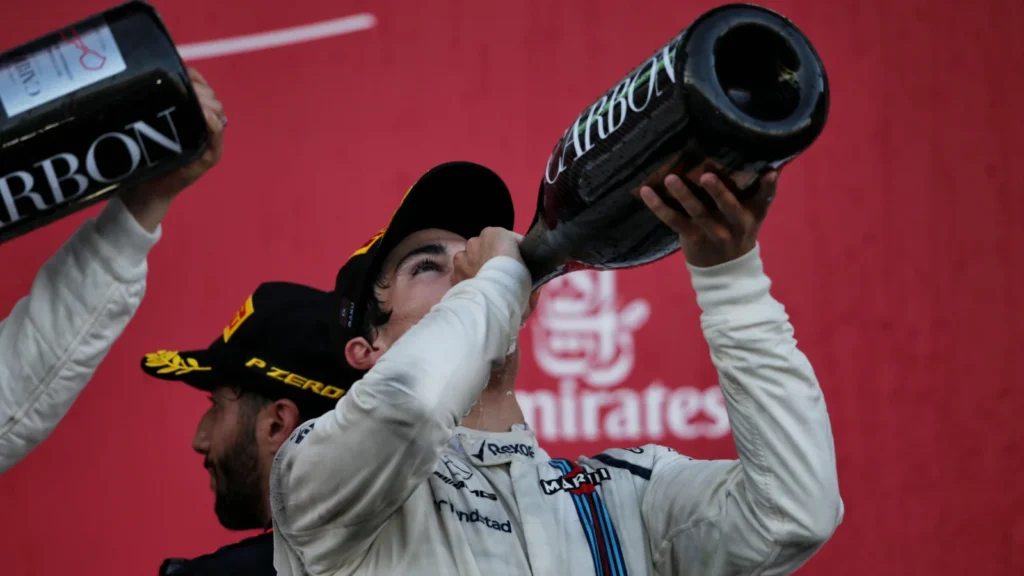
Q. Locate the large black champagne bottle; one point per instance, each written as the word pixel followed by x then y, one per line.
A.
pixel 741 91
pixel 97 105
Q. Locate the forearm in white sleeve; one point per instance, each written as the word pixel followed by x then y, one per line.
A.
pixel 54 338
pixel 340 476
pixel 771 510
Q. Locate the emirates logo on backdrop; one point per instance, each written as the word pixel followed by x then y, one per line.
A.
pixel 583 336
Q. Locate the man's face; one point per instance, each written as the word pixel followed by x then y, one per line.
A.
pixel 417 274
pixel 226 437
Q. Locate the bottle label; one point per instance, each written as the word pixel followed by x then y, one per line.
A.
pixel 621 115
pixel 78 56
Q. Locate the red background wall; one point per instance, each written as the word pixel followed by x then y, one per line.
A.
pixel 895 245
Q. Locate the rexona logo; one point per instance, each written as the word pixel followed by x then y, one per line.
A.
pixel 504 450
pixel 583 337
pixel 510 449
pixel 578 482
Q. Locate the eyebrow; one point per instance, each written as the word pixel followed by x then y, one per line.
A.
pixel 433 249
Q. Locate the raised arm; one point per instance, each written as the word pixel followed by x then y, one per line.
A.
pixel 82 299
pixel 771 510
pixel 340 476
pixel 55 337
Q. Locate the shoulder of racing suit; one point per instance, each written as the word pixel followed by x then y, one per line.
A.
pixel 639 461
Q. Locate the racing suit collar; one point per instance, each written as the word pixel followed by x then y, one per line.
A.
pixel 494 448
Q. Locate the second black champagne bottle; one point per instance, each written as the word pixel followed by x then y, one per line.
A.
pixel 92 107
pixel 740 90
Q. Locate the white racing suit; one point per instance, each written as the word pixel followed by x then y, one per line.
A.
pixel 388 483
pixel 54 338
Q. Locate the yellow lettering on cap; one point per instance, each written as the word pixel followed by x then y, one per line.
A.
pixel 294 379
pixel 332 392
pixel 244 312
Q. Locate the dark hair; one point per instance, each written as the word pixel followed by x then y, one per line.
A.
pixel 250 403
pixel 375 315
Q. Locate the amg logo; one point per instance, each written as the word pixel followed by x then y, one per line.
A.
pixel 521 449
pixel 578 482
pixel 460 485
pixel 455 484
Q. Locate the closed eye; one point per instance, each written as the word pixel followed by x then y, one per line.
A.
pixel 427 258
pixel 425 265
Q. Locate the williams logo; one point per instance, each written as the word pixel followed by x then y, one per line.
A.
pixel 576 482
pixel 300 434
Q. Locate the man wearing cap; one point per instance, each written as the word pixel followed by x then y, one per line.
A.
pixel 426 465
pixel 270 370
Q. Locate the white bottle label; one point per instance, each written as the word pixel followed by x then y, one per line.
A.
pixel 82 56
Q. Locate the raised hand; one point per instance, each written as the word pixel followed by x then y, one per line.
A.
pixel 709 237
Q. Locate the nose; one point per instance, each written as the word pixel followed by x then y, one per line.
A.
pixel 201 439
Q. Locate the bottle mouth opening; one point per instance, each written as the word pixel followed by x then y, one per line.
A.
pixel 756 68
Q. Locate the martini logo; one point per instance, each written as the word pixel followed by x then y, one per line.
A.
pixel 244 312
pixel 583 336
pixel 578 481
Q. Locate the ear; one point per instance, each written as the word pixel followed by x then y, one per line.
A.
pixel 279 419
pixel 360 354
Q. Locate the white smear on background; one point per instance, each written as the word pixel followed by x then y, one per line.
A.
pixel 277 38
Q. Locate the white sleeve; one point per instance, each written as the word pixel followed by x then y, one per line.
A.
pixel 772 510
pixel 54 338
pixel 340 476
